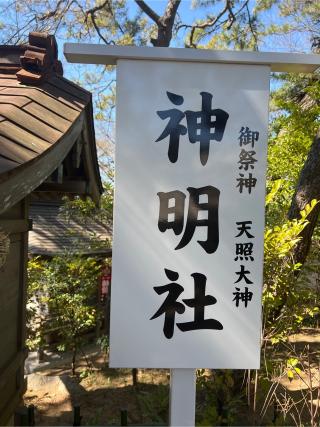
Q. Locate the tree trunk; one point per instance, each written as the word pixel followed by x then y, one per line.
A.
pixel 73 363
pixel 134 377
pixel 164 23
pixel 308 188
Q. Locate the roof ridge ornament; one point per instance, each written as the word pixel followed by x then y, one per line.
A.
pixel 40 59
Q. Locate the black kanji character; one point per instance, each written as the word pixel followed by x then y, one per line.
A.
pixel 202 126
pixel 173 129
pixel 210 206
pixel 206 125
pixel 248 183
pixel 198 303
pixel 242 275
pixel 244 251
pixel 247 136
pixel 242 296
pixel 170 306
pixel 246 159
pixel 176 211
pixel 244 226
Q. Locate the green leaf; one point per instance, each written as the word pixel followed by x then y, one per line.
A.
pixel 292 362
pixel 290 375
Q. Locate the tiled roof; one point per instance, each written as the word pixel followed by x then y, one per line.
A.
pixel 52 234
pixel 33 119
pixel 42 116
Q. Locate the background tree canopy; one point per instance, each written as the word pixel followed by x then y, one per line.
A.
pixel 289 25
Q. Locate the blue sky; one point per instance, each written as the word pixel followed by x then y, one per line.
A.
pixel 294 42
pixel 279 43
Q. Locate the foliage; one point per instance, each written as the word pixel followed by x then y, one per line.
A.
pixel 80 209
pixel 286 301
pixel 296 118
pixel 296 26
pixel 36 307
pixel 298 365
pixel 288 298
pixel 67 287
pixel 154 406
pixel 103 342
pixel 83 210
pixel 290 303
pixel 219 398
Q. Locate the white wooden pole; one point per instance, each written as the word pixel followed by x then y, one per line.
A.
pixel 182 397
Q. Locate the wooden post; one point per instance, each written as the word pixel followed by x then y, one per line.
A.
pixel 31 419
pixel 124 417
pixel 134 377
pixel 21 417
pixel 76 416
pixel 182 397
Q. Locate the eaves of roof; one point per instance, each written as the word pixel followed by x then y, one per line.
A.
pixel 39 124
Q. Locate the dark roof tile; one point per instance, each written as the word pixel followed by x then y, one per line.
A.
pixel 52 234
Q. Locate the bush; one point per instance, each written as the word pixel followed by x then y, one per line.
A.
pixel 62 295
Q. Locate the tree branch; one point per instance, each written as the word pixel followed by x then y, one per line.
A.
pixel 251 27
pixel 206 24
pixel 164 23
pixel 213 21
pixel 91 12
pixel 51 13
pixel 93 20
pixel 147 10
pixel 100 7
pixel 170 13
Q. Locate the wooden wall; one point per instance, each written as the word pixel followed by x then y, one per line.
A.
pixel 12 310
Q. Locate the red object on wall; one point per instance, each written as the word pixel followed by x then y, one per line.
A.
pixel 105 283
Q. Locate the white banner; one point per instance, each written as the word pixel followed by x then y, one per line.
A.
pixel 191 141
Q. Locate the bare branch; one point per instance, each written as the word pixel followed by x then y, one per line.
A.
pixel 91 12
pixel 105 5
pixel 150 12
pixel 215 23
pixel 251 26
pixel 93 19
pixel 100 7
pixel 51 13
pixel 232 17
pixel 209 23
pixel 19 30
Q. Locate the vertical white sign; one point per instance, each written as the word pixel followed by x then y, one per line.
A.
pixel 191 141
